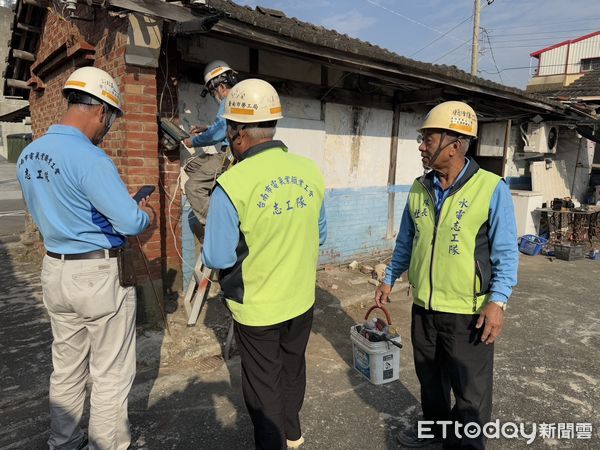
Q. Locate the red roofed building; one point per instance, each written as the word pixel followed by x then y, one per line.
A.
pixel 561 64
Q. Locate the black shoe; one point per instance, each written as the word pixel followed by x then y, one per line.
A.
pixel 410 438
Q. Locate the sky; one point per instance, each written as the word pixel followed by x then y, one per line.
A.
pixel 440 31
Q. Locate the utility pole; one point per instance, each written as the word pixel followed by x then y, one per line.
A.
pixel 475 47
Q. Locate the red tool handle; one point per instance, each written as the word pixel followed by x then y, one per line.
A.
pixel 385 311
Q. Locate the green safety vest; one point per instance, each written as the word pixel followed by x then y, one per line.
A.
pixel 278 198
pixel 450 267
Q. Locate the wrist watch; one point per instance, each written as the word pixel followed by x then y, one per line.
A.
pixel 500 304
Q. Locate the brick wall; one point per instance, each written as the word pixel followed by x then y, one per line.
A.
pixel 132 143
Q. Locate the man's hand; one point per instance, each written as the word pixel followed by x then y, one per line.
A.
pixel 493 318
pixel 187 142
pixel 197 129
pixel 382 294
pixel 143 205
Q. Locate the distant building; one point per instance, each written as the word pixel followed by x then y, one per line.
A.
pixel 14 113
pixel 559 65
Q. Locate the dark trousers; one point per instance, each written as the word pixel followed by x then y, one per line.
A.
pixel 274 378
pixel 449 356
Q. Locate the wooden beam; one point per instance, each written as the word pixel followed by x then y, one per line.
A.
pixel 506 145
pixel 38 3
pixel 392 170
pixel 19 84
pixel 21 54
pixel 29 28
pixel 421 96
pixel 329 94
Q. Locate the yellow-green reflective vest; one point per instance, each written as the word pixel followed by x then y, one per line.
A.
pixel 450 267
pixel 278 198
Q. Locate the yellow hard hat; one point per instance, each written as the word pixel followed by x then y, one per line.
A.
pixel 454 116
pixel 252 101
pixel 97 83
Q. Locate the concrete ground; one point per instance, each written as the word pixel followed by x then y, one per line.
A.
pixel 547 368
pixel 12 206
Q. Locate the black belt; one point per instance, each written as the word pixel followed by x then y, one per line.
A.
pixel 96 254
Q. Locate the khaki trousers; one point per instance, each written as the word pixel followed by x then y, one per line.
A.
pixel 93 326
pixel 202 171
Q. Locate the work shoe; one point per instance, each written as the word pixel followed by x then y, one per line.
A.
pixel 295 444
pixel 410 438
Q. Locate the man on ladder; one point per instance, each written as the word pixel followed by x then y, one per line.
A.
pixel 203 169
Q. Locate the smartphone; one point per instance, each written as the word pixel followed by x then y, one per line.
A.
pixel 144 192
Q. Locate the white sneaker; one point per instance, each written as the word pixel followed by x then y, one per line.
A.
pixel 295 444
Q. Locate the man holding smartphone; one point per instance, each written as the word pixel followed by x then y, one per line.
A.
pixel 84 213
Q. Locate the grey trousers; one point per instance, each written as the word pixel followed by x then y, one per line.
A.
pixel 203 172
pixel 93 329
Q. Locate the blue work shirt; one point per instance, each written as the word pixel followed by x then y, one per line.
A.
pixel 501 234
pixel 223 232
pixel 75 195
pixel 216 134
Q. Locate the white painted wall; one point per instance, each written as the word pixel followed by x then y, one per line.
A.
pixel 408 164
pixel 569 145
pixel 515 168
pixel 553 61
pixel 586 48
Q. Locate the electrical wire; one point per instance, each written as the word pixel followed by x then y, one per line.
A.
pixel 468 41
pixel 440 37
pixel 562 22
pixel 464 42
pixel 408 18
pixel 487 35
pixel 577 30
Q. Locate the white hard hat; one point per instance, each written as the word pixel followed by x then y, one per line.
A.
pixel 454 116
pixel 214 69
pixel 96 83
pixel 252 101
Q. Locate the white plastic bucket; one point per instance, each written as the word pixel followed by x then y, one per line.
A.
pixel 378 362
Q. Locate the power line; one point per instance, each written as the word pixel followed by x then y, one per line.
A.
pixel 492 53
pixel 546 38
pixel 449 31
pixel 385 8
pixel 468 41
pixel 529 67
pixel 577 30
pixel 562 22
pixel 441 36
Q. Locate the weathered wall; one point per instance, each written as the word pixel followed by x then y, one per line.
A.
pixel 350 144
